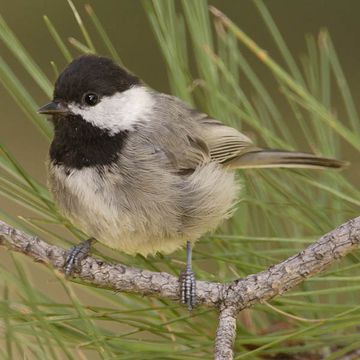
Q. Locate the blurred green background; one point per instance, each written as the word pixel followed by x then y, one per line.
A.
pixel 303 103
pixel 130 32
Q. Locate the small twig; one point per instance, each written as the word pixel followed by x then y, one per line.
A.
pixel 230 298
pixel 225 334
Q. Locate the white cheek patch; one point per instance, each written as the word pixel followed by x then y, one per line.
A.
pixel 118 112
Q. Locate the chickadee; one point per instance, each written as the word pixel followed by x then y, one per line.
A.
pixel 141 171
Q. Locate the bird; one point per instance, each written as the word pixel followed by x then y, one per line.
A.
pixel 141 171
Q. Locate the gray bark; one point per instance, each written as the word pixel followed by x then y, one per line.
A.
pixel 229 298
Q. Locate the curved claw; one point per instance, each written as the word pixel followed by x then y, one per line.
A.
pixel 188 288
pixel 75 255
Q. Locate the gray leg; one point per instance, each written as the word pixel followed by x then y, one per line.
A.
pixel 187 282
pixel 76 254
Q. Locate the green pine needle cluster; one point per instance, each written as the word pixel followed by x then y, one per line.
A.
pixel 279 213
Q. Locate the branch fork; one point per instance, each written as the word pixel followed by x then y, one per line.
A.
pixel 228 298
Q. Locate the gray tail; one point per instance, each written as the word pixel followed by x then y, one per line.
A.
pixel 267 158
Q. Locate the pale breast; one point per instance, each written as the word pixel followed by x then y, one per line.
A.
pixel 121 215
pixel 87 197
pixel 135 217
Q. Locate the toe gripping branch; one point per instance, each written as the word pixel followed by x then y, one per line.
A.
pixel 76 254
pixel 186 279
pixel 187 282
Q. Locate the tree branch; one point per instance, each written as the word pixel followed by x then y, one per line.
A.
pixel 225 334
pixel 229 298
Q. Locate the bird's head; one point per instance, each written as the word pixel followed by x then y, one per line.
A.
pixel 99 92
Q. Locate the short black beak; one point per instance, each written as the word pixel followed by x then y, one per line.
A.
pixel 53 108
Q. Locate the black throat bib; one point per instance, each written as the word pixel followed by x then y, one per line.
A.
pixel 78 144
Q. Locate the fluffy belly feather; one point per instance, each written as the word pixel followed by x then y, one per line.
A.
pixel 134 222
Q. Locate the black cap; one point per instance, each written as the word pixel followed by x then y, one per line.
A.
pixel 95 74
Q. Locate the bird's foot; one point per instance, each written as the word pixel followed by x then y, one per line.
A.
pixel 75 255
pixel 188 288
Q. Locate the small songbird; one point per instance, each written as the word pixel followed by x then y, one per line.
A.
pixel 141 171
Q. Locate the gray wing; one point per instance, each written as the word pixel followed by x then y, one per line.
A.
pixel 189 137
pixel 196 138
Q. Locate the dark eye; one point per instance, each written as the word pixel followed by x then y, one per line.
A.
pixel 91 99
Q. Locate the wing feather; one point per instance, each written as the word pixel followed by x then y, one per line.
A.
pixel 190 138
pixel 224 142
pixel 195 137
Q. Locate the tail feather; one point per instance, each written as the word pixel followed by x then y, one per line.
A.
pixel 267 158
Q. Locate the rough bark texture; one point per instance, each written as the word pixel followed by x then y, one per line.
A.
pixel 225 334
pixel 229 298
